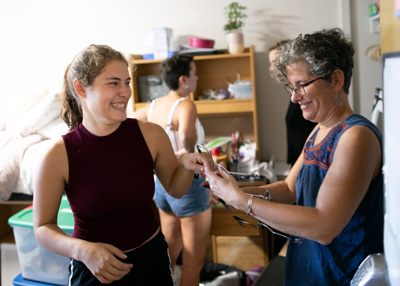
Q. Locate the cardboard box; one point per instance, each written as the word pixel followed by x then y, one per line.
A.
pixel 38 263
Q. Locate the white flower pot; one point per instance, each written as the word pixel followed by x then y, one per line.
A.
pixel 235 42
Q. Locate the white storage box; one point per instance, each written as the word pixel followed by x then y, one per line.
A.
pixel 36 262
pixel 242 89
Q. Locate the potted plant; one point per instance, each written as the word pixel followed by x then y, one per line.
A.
pixel 234 36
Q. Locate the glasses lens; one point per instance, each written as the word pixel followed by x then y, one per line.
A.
pixel 288 89
pixel 301 90
pixel 298 90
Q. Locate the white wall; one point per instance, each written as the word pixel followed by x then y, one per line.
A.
pixel 368 74
pixel 39 38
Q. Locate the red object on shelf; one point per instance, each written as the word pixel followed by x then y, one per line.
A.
pixel 201 43
pixel 215 152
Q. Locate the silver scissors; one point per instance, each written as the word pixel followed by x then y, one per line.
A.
pixel 253 174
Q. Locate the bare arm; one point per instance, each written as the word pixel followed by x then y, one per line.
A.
pixel 48 189
pixel 283 191
pixel 175 176
pixel 187 114
pixel 356 162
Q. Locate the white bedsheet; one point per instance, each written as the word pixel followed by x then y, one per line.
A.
pixel 12 151
pixel 28 134
pixel 29 166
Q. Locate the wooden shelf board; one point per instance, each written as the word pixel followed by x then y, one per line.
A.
pixel 16 203
pixel 227 106
pixel 135 59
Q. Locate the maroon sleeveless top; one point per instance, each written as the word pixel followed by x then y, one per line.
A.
pixel 111 186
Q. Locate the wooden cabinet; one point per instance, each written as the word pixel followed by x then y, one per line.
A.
pixel 245 246
pixel 219 117
pixel 8 209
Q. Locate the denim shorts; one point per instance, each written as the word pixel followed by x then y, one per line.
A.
pixel 193 202
pixel 151 266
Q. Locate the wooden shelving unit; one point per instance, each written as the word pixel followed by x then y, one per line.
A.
pixel 219 117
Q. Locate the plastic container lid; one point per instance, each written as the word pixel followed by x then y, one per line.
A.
pixel 65 219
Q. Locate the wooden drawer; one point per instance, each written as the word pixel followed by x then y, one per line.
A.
pixel 245 252
pixel 224 224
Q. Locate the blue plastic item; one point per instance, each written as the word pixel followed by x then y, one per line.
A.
pixel 21 281
pixel 151 56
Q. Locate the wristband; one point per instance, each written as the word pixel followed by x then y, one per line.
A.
pixel 249 204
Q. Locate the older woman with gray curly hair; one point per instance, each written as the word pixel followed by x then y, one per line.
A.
pixel 330 206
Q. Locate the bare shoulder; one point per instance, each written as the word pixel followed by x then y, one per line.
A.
pixel 55 161
pixel 187 107
pixel 359 145
pixel 152 132
pixel 57 150
pixel 188 104
pixel 360 135
pixel 155 136
pixel 149 128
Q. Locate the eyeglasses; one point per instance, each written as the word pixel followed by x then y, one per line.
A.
pixel 253 174
pixel 300 90
pixel 260 224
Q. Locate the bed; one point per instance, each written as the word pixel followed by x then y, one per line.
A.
pixel 24 138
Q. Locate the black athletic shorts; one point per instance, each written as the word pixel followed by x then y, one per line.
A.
pixel 151 266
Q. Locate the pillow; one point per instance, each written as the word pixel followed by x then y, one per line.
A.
pixel 21 104
pixel 42 113
pixel 54 129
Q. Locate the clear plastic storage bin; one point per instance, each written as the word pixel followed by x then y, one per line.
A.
pixel 37 262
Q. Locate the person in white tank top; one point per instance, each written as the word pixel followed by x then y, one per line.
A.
pixel 173 135
pixel 186 222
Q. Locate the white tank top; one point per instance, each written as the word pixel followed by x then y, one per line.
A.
pixel 174 135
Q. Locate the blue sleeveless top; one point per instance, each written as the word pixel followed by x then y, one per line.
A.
pixel 312 263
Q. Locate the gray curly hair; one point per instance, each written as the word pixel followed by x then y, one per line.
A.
pixel 324 52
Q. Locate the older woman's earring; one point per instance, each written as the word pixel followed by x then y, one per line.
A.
pixel 185 86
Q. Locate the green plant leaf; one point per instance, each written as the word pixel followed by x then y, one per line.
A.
pixel 235 14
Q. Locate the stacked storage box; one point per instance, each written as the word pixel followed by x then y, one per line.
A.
pixel 38 263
